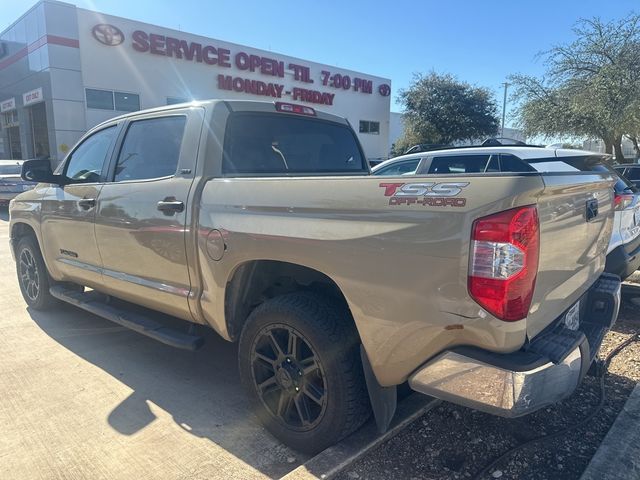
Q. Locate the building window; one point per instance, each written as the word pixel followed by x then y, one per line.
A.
pixel 110 100
pixel 175 100
pixel 100 99
pixel 126 102
pixel 367 126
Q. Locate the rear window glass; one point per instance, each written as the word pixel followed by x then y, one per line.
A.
pixel 10 169
pixel 582 163
pixel 278 144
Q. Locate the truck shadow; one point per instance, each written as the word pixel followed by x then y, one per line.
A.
pixel 4 214
pixel 200 390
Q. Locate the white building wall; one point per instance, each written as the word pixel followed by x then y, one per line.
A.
pixel 396 128
pixel 154 77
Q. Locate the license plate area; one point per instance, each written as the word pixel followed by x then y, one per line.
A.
pixel 572 317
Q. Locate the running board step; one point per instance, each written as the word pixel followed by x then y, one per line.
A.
pixel 95 302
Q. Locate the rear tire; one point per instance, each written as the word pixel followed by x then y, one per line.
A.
pixel 33 277
pixel 300 362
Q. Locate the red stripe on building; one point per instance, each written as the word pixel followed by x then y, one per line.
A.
pixel 14 58
pixel 64 41
pixel 37 44
pixel 42 41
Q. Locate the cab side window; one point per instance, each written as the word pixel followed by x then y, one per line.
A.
pixel 457 164
pixel 632 173
pixel 151 148
pixel 401 168
pixel 511 163
pixel 87 160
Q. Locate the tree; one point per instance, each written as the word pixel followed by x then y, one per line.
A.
pixel 591 87
pixel 441 109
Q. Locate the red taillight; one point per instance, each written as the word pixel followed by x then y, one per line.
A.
pixel 622 201
pixel 504 262
pixel 293 108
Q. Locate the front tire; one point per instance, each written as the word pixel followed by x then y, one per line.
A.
pixel 300 362
pixel 33 277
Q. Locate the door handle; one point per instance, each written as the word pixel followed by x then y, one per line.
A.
pixel 87 203
pixel 170 205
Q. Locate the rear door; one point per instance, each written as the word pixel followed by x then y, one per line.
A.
pixel 143 210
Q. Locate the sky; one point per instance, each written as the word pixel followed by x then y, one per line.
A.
pixel 478 41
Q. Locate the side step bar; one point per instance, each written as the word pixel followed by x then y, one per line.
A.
pixel 95 302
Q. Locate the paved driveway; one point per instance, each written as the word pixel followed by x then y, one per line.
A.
pixel 81 397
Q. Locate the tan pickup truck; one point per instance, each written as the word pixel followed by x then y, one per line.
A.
pixel 262 221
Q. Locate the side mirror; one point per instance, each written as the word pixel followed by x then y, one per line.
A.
pixel 38 170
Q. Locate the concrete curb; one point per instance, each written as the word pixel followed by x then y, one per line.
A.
pixel 618 457
pixel 335 458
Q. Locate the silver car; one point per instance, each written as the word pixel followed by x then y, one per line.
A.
pixel 623 255
pixel 10 182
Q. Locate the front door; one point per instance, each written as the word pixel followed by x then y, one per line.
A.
pixel 39 130
pixel 68 211
pixel 141 220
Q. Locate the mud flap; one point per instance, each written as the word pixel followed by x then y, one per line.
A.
pixel 383 399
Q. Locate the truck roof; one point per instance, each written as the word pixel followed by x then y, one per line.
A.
pixel 233 105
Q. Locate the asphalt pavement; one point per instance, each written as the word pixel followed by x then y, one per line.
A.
pixel 81 397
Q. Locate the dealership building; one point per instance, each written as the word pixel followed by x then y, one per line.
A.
pixel 65 69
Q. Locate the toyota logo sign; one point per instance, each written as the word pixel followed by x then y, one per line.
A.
pixel 108 34
pixel 384 90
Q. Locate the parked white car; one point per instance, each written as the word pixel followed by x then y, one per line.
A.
pixel 623 256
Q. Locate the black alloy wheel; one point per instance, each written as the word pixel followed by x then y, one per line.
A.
pixel 299 360
pixel 29 275
pixel 33 277
pixel 289 377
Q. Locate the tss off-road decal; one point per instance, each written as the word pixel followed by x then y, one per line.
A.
pixel 425 193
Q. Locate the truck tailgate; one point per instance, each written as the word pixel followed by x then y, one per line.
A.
pixel 573 245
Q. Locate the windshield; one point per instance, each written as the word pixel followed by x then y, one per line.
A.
pixel 10 169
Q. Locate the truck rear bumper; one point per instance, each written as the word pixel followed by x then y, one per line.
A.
pixel 545 371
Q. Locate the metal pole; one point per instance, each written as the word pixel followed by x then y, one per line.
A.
pixel 504 106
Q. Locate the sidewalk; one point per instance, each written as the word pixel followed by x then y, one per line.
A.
pixel 618 457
